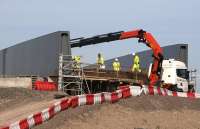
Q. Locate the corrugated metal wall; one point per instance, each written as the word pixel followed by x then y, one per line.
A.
pixel 177 51
pixel 38 56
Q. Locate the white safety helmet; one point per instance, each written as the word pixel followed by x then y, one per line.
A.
pixel 116 59
pixel 133 54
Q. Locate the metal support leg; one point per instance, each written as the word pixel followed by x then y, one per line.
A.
pixel 60 73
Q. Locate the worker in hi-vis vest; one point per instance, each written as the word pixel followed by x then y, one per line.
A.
pixel 116 66
pixel 77 61
pixel 100 61
pixel 136 63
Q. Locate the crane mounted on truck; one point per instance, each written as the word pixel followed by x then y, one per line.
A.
pixel 143 36
pixel 164 72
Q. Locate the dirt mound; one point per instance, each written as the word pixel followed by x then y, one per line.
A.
pixel 16 96
pixel 14 93
pixel 144 112
pixel 18 103
pixel 155 103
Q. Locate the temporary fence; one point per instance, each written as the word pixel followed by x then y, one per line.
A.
pixel 45 86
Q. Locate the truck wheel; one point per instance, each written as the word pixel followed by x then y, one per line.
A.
pixel 191 88
pixel 175 88
pixel 179 90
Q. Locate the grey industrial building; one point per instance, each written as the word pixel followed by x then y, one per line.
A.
pixel 40 56
pixel 177 51
pixel 36 57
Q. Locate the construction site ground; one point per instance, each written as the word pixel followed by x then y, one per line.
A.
pixel 18 103
pixel 142 112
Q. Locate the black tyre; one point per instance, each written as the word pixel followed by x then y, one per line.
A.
pixel 175 88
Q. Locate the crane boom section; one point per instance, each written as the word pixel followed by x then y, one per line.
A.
pixel 143 36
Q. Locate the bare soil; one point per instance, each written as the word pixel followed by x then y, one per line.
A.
pixel 144 112
pixel 18 103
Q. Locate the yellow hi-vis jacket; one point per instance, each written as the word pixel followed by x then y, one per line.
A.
pixel 136 64
pixel 77 60
pixel 116 66
pixel 100 61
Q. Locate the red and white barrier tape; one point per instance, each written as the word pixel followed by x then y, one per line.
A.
pixel 165 92
pixel 90 99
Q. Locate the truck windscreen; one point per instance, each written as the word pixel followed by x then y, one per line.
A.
pixel 182 73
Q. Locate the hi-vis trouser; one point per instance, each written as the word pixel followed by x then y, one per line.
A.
pixel 136 64
pixel 116 66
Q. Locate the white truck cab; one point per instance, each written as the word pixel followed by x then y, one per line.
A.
pixel 175 73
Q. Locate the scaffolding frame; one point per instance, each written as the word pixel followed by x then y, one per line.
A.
pixel 71 78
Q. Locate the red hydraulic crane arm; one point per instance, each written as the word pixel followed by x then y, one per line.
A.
pixel 151 42
pixel 143 36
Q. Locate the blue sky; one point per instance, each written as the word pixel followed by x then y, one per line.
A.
pixel 170 21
